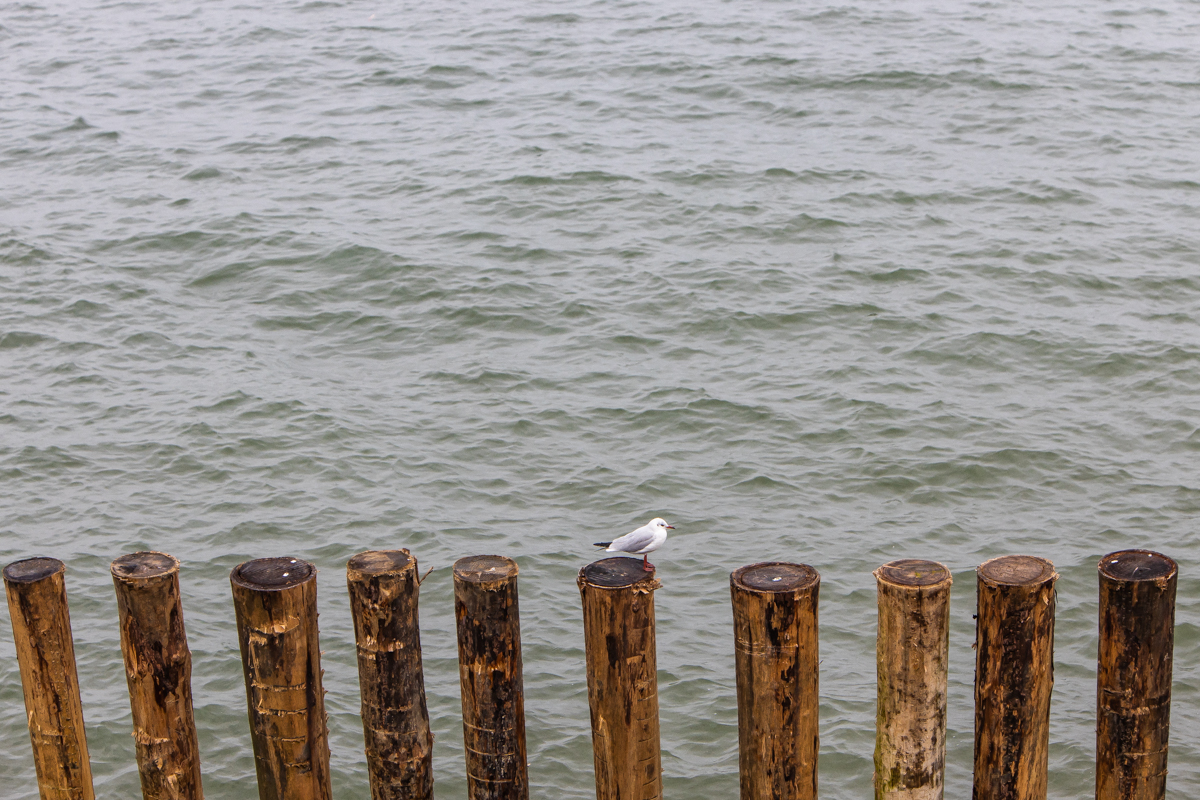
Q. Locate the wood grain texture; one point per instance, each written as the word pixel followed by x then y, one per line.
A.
pixel 1014 677
pixel 158 670
pixel 1133 674
pixel 275 600
pixel 489 666
pixel 384 588
pixel 622 671
pixel 776 659
pixel 37 603
pixel 912 652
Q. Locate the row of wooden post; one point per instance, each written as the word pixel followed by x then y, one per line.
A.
pixel 775 630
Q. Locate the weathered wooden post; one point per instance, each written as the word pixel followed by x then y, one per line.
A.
pixel 1133 676
pixel 911 652
pixel 622 671
pixel 275 600
pixel 158 669
pixel 383 601
pixel 776 658
pixel 1014 676
pixel 489 669
pixel 37 603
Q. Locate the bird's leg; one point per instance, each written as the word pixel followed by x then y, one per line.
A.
pixel 646 565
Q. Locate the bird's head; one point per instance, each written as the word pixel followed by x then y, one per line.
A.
pixel 659 522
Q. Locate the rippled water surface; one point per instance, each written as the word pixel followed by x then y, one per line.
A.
pixel 827 283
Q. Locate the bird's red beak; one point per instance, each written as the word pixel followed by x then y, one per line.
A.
pixel 672 527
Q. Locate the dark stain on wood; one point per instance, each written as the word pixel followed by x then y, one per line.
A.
pixel 384 589
pixel 490 676
pixel 1133 675
pixel 37 604
pixel 1014 677
pixel 912 653
pixel 777 659
pixel 619 639
pixel 275 601
pixel 158 670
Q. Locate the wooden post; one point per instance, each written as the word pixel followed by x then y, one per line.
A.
pixel 1133 677
pixel 622 672
pixel 775 647
pixel 383 601
pixel 158 669
pixel 275 600
pixel 911 653
pixel 489 670
pixel 37 603
pixel 1014 675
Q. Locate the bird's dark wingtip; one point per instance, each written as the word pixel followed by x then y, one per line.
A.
pixel 602 544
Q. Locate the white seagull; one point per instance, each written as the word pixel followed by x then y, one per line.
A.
pixel 644 540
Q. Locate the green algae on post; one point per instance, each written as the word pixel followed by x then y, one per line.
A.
pixel 912 652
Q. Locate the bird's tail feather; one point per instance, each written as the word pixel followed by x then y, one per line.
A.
pixel 603 544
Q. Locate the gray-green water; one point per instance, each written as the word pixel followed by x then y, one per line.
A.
pixel 827 283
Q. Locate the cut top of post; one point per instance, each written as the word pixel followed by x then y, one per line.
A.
pixel 1016 571
pixel 775 576
pixel 1137 565
pixel 380 562
pixel 615 573
pixel 144 565
pixel 913 572
pixel 484 569
pixel 32 570
pixel 271 574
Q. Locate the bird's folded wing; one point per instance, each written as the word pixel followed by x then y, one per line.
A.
pixel 632 542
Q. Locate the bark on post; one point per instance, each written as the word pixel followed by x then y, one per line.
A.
pixel 1133 676
pixel 1014 676
pixel 275 600
pixel 158 669
pixel 622 672
pixel 383 602
pixel 911 653
pixel 489 669
pixel 37 603
pixel 776 655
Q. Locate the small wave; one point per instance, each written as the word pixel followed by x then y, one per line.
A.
pixel 17 253
pixel 523 253
pixel 262 34
pixel 225 274
pixel 555 19
pixel 203 174
pixel 762 483
pixel 86 309
pixel 321 321
pixel 571 179
pixel 19 339
pixel 46 460
pixel 1036 193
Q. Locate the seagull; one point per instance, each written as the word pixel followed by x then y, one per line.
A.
pixel 644 540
